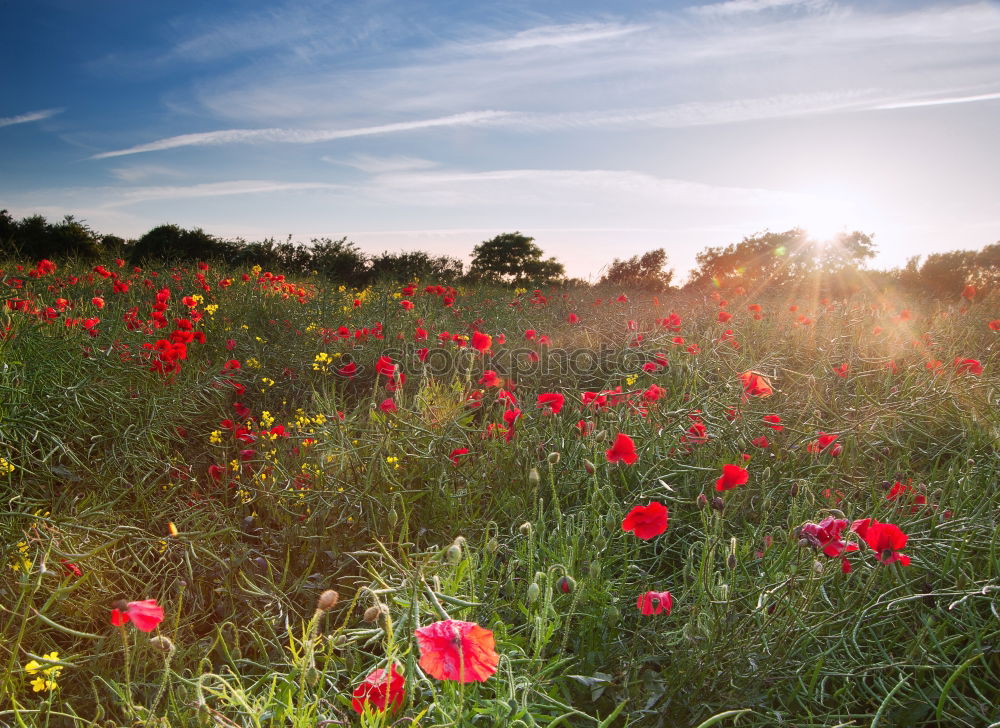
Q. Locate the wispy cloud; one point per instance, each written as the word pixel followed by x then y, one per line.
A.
pixel 301 136
pixel 144 171
pixel 739 7
pixel 30 116
pixel 559 36
pixel 135 195
pixel 381 165
pixel 942 101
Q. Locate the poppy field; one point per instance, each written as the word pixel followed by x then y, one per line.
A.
pixel 235 498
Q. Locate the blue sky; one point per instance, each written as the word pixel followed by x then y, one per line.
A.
pixel 602 129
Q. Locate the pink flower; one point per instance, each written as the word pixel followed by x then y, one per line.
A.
pixel 655 602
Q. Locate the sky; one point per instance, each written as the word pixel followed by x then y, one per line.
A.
pixel 600 129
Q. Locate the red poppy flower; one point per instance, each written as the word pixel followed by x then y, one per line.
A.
pixel 145 615
pixel 455 650
pixel 841 371
pixel 584 427
pixel 968 366
pixel 732 476
pixel 348 370
pixel 822 442
pixel 622 451
pixel 490 379
pixel 216 472
pixel 825 536
pixel 388 405
pixel 379 689
pixel 755 385
pixel 573 318
pixel 724 316
pixel 653 393
pixel 481 342
pixel 774 422
pixel 455 454
pixel 655 602
pixel 552 402
pixel 885 539
pixel 407 305
pixel 761 441
pixel 969 292
pixel 647 521
pixel 385 366
pixel 994 325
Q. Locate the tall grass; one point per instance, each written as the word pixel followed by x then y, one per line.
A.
pixel 764 631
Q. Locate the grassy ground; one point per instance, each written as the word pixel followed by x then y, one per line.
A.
pixel 109 493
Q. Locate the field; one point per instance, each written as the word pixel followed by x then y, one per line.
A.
pixel 814 482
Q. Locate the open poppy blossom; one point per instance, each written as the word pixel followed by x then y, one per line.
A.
pixel 551 402
pixel 622 451
pixel 968 366
pixel 456 650
pixel 825 536
pixel 774 422
pixel 732 476
pixel 653 602
pixel 380 689
pixel 647 521
pixel 145 615
pixel 822 442
pixel 755 385
pixel 455 454
pixel 885 539
pixel 481 342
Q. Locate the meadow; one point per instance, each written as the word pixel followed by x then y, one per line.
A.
pixel 231 498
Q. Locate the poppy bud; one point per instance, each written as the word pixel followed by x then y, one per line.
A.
pixel 702 501
pixel 836 450
pixel 718 504
pixel 492 545
pixel 818 567
pixel 566 584
pixel 312 676
pixel 260 563
pixel 533 592
pixel 533 478
pixel 372 614
pixel 731 561
pixel 595 569
pixel 804 542
pixel 553 458
pixel 327 600
pixel 454 553
pixel 339 642
pixel 600 436
pixel 794 490
pixel 589 467
pixel 392 517
pixel 525 528
pixel 600 542
pixel 612 614
pixel 163 644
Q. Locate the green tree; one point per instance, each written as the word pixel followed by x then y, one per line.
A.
pixel 646 272
pixel 514 258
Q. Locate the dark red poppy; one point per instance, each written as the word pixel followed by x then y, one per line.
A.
pixel 622 451
pixel 825 536
pixel 388 405
pixel 348 370
pixel 732 476
pixel 647 521
pixel 379 690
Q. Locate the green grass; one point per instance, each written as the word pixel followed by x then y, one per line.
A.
pixel 764 631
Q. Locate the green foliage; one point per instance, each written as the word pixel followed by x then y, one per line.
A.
pixel 945 275
pixel 34 238
pixel 409 264
pixel 513 258
pixel 644 273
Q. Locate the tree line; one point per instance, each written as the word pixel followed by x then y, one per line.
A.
pixel 788 259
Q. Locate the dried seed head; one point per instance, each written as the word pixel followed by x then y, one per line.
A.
pixel 327 600
pixel 373 613
pixel 553 458
pixel 525 528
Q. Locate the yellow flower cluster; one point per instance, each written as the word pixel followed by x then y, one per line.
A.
pixel 215 438
pixel 45 680
pixel 6 466
pixel 393 461
pixel 322 362
pixel 20 561
pixel 211 308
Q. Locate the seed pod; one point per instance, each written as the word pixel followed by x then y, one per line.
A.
pixel 327 600
pixel 533 592
pixel 525 528
pixel 372 614
pixel 163 644
pixel 553 458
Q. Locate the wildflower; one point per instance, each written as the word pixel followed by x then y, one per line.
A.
pixel 45 680
pixel 724 316
pixel 145 615
pixel 885 539
pixel 623 450
pixel 968 366
pixel 761 441
pixel 647 521
pixel 755 385
pixel 552 402
pixel 774 422
pixel 732 476
pixel 825 536
pixel 380 690
pixel 456 650
pixel 653 602
pixel 841 371
pixel 388 405
pixel 822 442
pixel 481 342
pixel 994 325
pixel 455 454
